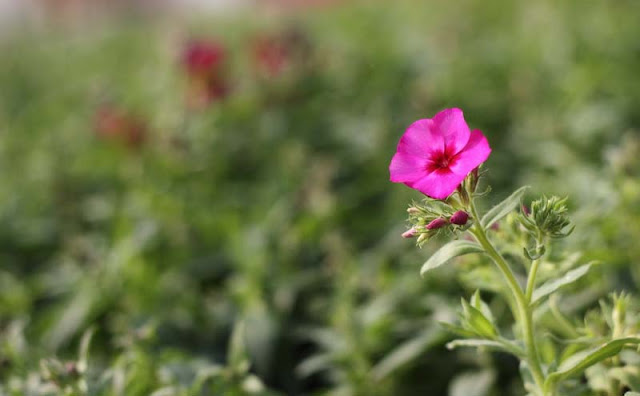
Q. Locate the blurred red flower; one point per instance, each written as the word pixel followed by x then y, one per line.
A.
pixel 204 63
pixel 275 54
pixel 271 55
pixel 115 124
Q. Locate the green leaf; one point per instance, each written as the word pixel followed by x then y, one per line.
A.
pixel 457 330
pixel 475 343
pixel 494 345
pixel 553 285
pixel 449 251
pixel 477 383
pixel 503 208
pixel 238 359
pixel 407 352
pixel 83 355
pixel 477 303
pixel 579 362
pixel 477 321
pixel 315 364
pixel 499 344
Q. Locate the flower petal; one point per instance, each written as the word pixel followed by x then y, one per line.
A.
pixel 422 139
pixel 438 184
pixel 473 154
pixel 451 125
pixel 407 168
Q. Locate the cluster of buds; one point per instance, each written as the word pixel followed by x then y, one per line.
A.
pixel 617 317
pixel 432 217
pixel 547 218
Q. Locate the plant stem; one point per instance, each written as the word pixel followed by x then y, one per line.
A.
pixel 524 312
pixel 531 282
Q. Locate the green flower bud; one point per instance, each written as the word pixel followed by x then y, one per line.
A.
pixel 547 218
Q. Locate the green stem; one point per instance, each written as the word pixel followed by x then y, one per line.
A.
pixel 531 282
pixel 524 312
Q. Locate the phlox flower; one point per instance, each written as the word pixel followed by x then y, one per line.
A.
pixel 202 57
pixel 205 65
pixel 435 154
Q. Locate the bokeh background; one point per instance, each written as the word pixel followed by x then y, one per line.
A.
pixel 194 195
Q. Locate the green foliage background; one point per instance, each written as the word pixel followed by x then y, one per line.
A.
pixel 271 211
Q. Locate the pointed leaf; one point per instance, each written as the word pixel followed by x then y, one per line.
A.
pixel 447 252
pixel 477 383
pixel 583 360
pixel 555 284
pixel 407 352
pixel 500 344
pixel 315 364
pixel 477 321
pixel 238 359
pixel 83 355
pixel 476 343
pixel 457 330
pixel 477 303
pixel 503 208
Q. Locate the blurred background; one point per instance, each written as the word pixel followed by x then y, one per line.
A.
pixel 194 194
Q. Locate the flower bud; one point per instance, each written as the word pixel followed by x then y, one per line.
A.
pixel 437 223
pixel 547 217
pixel 619 313
pixel 525 210
pixel 413 210
pixel 410 233
pixel 459 218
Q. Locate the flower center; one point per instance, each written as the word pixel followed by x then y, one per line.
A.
pixel 439 161
pixel 443 162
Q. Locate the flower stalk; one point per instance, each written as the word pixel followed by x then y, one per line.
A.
pixel 523 309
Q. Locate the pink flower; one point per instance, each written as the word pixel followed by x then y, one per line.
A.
pixel 435 155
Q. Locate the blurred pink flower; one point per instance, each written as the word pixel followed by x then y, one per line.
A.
pixel 116 124
pixel 204 63
pixel 202 58
pixel 288 52
pixel 272 55
pixel 435 155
